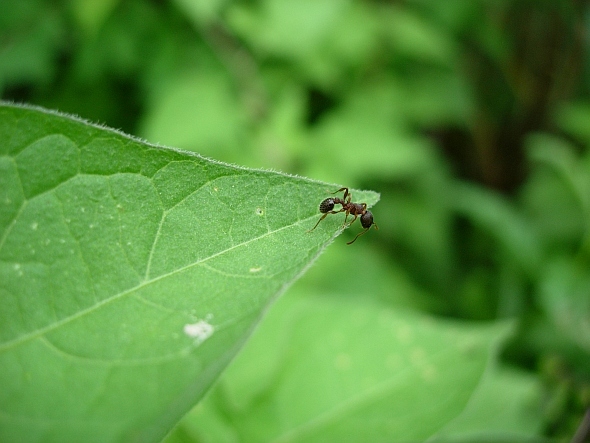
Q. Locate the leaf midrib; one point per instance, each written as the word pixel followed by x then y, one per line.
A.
pixel 32 335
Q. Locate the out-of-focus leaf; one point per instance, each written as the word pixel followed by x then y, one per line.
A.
pixel 565 296
pixel 322 38
pixel 332 369
pixel 201 13
pixel 413 36
pixel 501 219
pixel 92 14
pixel 284 27
pixel 504 408
pixel 198 112
pixel 558 192
pixel 364 137
pixel 573 118
pixel 31 35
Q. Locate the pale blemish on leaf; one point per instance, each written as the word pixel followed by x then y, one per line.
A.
pixel 255 269
pixel 404 334
pixel 343 361
pixel 428 373
pixel 199 331
pixel 418 356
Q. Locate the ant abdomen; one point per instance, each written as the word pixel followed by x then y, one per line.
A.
pixel 327 205
pixel 367 219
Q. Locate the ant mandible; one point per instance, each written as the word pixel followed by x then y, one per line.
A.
pixel 356 209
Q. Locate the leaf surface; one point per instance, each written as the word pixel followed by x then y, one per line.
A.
pixel 131 274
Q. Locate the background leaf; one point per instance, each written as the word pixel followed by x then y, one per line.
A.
pixel 131 274
pixel 324 368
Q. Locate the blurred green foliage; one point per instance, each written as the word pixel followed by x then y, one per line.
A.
pixel 471 118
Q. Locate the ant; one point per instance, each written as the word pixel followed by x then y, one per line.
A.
pixel 356 209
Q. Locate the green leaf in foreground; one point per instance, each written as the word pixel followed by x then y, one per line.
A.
pixel 130 274
pixel 331 369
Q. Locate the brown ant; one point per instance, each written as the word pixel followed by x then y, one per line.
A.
pixel 356 209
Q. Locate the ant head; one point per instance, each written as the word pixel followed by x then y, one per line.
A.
pixel 367 219
pixel 327 205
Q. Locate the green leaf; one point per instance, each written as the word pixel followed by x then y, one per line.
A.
pixel 564 297
pixel 328 368
pixel 504 408
pixel 131 274
pixel 215 128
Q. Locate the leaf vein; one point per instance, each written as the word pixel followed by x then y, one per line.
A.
pixel 41 331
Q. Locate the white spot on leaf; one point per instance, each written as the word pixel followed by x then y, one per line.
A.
pixel 256 269
pixel 17 269
pixel 429 373
pixel 34 226
pixel 199 331
pixel 404 334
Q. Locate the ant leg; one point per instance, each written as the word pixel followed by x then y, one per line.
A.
pixel 361 233
pixel 357 236
pixel 355 217
pixel 346 193
pixel 323 217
